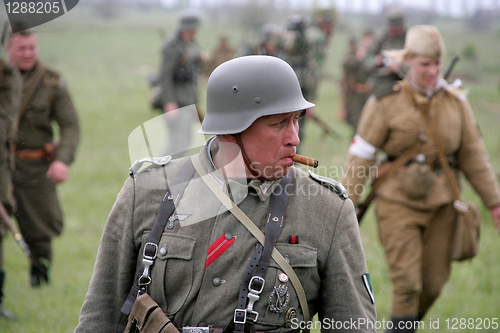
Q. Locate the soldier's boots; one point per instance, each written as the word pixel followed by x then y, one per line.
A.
pixel 4 313
pixel 39 273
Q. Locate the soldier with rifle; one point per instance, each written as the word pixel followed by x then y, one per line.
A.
pixel 41 164
pixel 429 133
pixel 10 95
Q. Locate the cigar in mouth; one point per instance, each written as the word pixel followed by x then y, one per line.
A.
pixel 309 161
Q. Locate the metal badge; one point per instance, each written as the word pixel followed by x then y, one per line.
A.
pixel 279 298
pixel 289 316
pixel 283 277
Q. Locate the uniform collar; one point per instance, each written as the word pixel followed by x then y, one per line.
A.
pixel 238 188
pixel 440 84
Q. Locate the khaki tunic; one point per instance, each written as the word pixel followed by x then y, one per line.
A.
pixel 393 124
pixel 328 259
pixel 39 214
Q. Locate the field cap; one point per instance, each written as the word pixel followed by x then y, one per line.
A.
pixel 424 40
pixel 189 20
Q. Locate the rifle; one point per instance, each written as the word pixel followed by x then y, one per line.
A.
pixel 327 129
pixel 15 233
pixel 448 71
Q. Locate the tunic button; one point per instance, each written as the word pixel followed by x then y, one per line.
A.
pixel 216 282
pixel 163 251
pixel 228 236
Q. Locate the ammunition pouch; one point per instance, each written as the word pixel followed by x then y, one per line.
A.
pixel 183 75
pixel 147 316
pixel 418 181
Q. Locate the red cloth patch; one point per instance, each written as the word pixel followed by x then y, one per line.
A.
pixel 217 248
pixel 293 239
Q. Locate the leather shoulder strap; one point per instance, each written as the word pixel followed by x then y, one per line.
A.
pixel 245 220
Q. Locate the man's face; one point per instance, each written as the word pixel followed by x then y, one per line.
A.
pixel 23 51
pixel 396 31
pixel 188 35
pixel 424 71
pixel 270 143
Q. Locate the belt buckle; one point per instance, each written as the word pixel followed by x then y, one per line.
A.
pixel 195 329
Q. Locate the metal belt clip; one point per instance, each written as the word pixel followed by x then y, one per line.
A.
pixel 461 206
pixel 189 329
pixel 255 287
pixel 148 260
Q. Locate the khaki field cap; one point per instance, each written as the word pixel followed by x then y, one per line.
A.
pixel 424 40
pixel 243 89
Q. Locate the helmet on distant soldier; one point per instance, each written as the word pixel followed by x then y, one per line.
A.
pixel 296 23
pixel 246 88
pixel 189 20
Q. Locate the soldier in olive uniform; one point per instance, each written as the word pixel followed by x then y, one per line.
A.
pixel 205 253
pixel 40 163
pixel 416 225
pixel 181 63
pixel 355 89
pixel 387 72
pixel 222 53
pixel 10 95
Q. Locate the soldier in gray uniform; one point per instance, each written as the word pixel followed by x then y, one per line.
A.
pixel 10 94
pixel 385 71
pixel 204 272
pixel 304 50
pixel 41 164
pixel 181 63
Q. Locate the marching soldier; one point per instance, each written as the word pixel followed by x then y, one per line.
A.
pixel 354 84
pixel 304 50
pixel 424 125
pixel 222 53
pixel 386 71
pixel 10 95
pixel 181 63
pixel 41 164
pixel 203 275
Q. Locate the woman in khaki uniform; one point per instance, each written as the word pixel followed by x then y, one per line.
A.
pixel 417 231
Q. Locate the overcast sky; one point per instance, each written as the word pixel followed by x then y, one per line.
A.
pixel 444 7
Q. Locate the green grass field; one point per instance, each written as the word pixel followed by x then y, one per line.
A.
pixel 106 65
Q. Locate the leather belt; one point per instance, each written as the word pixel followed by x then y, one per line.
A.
pixel 47 152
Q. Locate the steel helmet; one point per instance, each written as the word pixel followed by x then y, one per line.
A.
pixel 243 89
